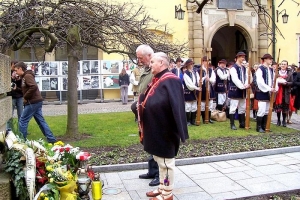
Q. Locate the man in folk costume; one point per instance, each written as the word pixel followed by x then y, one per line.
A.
pixel 264 79
pixel 176 70
pixel 190 84
pixel 144 54
pixel 135 79
pixel 237 90
pixel 222 75
pixel 207 78
pixel 163 123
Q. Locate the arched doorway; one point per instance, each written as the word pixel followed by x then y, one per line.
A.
pixel 226 42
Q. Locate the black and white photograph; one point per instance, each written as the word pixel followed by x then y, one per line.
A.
pixel 86 67
pixel 64 67
pixel 86 82
pixel 45 84
pixel 45 69
pixel 65 84
pixel 95 82
pixel 94 66
pixel 53 68
pixel 54 83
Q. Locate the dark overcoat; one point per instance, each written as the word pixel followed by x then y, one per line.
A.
pixel 163 116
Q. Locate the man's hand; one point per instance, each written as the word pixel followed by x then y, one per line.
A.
pixel 273 90
pixel 247 86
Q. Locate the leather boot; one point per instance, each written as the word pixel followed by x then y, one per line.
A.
pixel 242 120
pixel 254 114
pixel 232 126
pixel 264 123
pixel 193 118
pixel 203 116
pixel 209 120
pixel 258 124
pixel 284 119
pixel 188 118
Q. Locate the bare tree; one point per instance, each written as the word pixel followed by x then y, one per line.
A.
pixel 113 28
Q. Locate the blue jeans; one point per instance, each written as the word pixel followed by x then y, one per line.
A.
pixel 35 110
pixel 16 103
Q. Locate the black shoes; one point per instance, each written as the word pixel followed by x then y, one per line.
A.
pixel 284 123
pixel 145 176
pixel 154 182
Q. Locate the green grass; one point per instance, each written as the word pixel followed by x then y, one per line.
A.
pixel 119 129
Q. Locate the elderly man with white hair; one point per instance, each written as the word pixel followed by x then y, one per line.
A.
pixel 162 122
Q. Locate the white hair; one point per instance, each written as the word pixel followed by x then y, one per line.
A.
pixel 162 56
pixel 145 49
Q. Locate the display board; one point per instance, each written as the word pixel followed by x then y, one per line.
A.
pixel 92 74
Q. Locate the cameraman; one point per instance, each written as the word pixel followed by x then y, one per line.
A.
pixel 15 93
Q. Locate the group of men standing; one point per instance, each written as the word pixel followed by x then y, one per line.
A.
pixel 227 85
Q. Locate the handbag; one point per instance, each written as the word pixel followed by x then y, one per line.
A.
pixel 219 116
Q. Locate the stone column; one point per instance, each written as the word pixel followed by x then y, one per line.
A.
pixel 198 37
pixel 262 34
pixel 50 95
pixel 191 29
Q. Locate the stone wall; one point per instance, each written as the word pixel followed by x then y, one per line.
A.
pixel 5 102
pixel 5 114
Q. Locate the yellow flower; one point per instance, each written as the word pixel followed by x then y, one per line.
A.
pixel 42 194
pixel 50 144
pixel 46 198
pixel 59 143
pixel 49 168
pixel 51 180
pixel 49 175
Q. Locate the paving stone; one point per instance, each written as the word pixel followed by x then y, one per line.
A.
pixel 273 169
pixel 259 161
pixel 257 180
pixel 194 196
pixel 254 173
pixel 183 181
pixel 131 174
pixel 113 178
pixel 282 158
pixel 224 195
pixel 206 175
pixel 183 190
pixel 234 169
pixel 242 193
pixel 196 169
pixel 291 180
pixel 266 187
pixel 223 164
pixel 294 155
pixel 136 184
pixel 238 176
pixel 218 185
pixel 235 163
pixel 120 196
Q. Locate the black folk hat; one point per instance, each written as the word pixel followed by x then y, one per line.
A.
pixel 223 61
pixel 240 54
pixel 188 62
pixel 179 60
pixel 266 56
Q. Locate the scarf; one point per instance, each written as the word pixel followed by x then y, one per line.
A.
pixel 278 100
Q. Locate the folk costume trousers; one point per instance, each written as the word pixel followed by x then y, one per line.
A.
pixel 263 108
pixel 166 169
pixel 221 98
pixel 191 106
pixel 239 104
pixel 211 106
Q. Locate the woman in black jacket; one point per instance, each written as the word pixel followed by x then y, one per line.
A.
pixel 296 86
pixel 123 83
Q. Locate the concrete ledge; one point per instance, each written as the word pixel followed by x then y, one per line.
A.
pixel 200 160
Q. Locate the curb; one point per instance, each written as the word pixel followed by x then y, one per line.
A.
pixel 199 160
